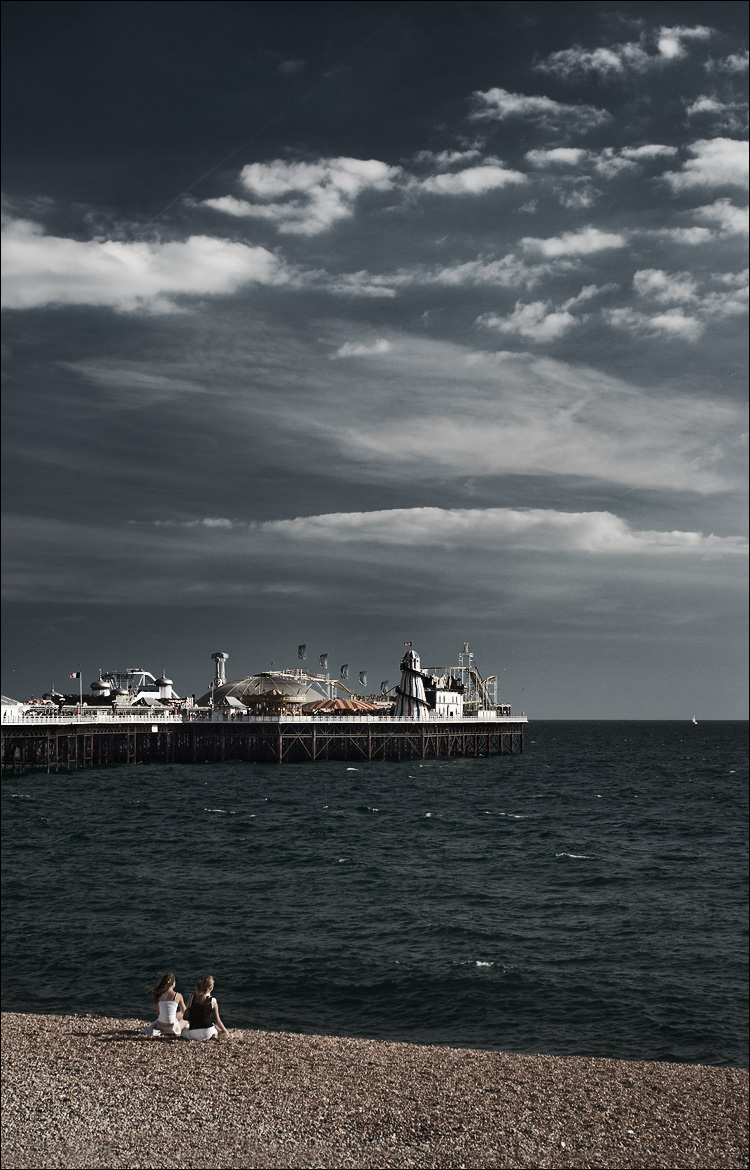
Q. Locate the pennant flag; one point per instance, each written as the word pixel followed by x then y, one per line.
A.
pixel 363 678
pixel 301 650
pixel 384 687
pixel 324 661
pixel 345 670
pixel 407 643
pixel 75 674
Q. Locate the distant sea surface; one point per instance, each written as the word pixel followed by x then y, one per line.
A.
pixel 585 898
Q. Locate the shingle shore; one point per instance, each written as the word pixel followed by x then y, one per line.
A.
pixel 85 1091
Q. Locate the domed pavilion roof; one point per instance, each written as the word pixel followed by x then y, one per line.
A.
pixel 252 688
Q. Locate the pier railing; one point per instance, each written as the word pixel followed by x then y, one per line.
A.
pixel 31 716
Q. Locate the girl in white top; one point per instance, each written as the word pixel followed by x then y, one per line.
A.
pixel 171 1008
pixel 203 1013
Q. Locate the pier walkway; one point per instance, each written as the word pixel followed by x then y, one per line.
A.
pixel 92 739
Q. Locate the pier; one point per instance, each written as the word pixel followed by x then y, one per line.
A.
pixel 89 741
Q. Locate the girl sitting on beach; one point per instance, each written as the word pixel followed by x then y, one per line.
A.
pixel 203 1012
pixel 170 1006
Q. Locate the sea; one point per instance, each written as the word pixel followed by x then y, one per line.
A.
pixel 586 897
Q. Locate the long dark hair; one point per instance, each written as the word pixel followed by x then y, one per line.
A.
pixel 165 982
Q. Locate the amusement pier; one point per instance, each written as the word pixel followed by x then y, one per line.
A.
pixel 284 716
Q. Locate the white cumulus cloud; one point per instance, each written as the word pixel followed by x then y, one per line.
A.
pixel 561 156
pixel 539 321
pixel 665 287
pixel 500 104
pixel 471 181
pixel 671 41
pixel 306 198
pixel 730 220
pixel 673 323
pixel 581 243
pixel 716 162
pixel 653 50
pixel 40 269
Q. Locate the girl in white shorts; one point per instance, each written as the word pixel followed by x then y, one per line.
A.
pixel 203 1013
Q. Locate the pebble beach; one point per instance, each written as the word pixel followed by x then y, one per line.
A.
pixel 88 1091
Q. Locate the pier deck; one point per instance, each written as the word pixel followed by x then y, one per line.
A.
pixel 56 747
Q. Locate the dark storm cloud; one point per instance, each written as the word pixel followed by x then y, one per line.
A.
pixel 466 308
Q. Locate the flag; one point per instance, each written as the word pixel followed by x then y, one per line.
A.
pixel 384 687
pixel 75 674
pixel 324 661
pixel 345 670
pixel 407 643
pixel 301 650
pixel 363 678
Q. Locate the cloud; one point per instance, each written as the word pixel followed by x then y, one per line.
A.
pixel 506 272
pixel 608 162
pixel 438 408
pixel 530 529
pixel 733 303
pixel 309 198
pixel 690 236
pixel 498 105
pixel 680 288
pixel 292 66
pixel 673 323
pixel 671 41
pixel 733 279
pixel 362 349
pixel 471 181
pixel 717 162
pixel 664 287
pixel 51 270
pixel 538 321
pixel 543 321
pixel 653 50
pixel 648 151
pixel 734 63
pixel 581 243
pixel 354 284
pixel 205 522
pixel 447 158
pixel 565 156
pixel 578 197
pixel 606 62
pixel 731 220
pixel 587 293
pixel 730 116
pixel 306 198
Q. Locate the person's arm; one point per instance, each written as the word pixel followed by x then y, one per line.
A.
pixel 181 1009
pixel 217 1020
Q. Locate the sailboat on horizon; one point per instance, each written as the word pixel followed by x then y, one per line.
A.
pixel 695 720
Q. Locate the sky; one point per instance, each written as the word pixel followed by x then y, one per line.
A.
pixel 357 323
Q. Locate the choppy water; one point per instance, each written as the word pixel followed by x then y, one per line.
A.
pixel 586 897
